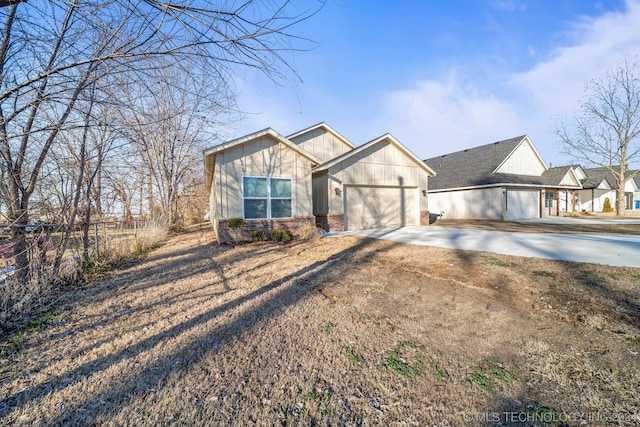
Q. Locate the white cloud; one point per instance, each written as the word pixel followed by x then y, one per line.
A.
pixel 447 114
pixel 557 84
pixel 438 117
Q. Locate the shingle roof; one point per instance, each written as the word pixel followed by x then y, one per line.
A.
pixel 596 175
pixel 472 167
pixel 554 176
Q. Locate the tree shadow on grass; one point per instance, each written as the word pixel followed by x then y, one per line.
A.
pixel 119 391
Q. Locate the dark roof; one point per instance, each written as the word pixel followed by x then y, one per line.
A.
pixel 473 167
pixel 553 176
pixel 596 175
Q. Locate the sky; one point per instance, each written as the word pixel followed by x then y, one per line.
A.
pixel 442 76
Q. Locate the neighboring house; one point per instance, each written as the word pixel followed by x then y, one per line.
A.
pixel 636 193
pixel 315 176
pixel 599 184
pixel 505 180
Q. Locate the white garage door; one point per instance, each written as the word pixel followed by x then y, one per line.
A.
pixel 523 204
pixel 380 207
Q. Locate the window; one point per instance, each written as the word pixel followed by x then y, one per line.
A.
pixel 266 198
pixel 549 198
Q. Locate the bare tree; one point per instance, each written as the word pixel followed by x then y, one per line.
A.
pixel 51 52
pixel 168 123
pixel 607 130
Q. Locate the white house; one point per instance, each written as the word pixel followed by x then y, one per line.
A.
pixel 504 180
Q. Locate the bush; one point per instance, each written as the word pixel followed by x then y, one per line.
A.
pixel 275 235
pixel 309 231
pixel 607 206
pixel 286 235
pixel 259 235
pixel 234 224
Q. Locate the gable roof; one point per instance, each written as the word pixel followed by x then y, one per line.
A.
pixel 595 177
pixel 327 128
pixel 211 151
pixel 252 136
pixel 475 167
pixel 553 177
pixel 386 137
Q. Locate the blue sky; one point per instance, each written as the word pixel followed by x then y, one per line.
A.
pixel 442 76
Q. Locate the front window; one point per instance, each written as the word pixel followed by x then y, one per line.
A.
pixel 266 198
pixel 549 198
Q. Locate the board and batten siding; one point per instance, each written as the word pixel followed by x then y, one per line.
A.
pixel 485 203
pixel 262 157
pixel 523 161
pixel 382 164
pixel 322 144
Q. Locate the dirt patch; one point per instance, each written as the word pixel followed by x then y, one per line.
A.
pixel 340 331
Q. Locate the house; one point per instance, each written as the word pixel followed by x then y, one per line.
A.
pixel 315 176
pixel 599 184
pixel 504 180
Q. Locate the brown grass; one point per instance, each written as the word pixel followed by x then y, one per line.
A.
pixel 305 333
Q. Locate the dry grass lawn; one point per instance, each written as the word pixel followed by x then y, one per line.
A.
pixel 336 331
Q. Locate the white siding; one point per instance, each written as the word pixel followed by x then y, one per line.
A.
pixel 485 203
pixel 523 161
pixel 586 203
pixel 523 204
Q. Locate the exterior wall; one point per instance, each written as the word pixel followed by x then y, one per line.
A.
pixel 261 157
pixel 330 222
pixel 322 144
pixel 569 180
pixel 523 161
pixel 382 164
pixel 487 203
pixel 226 235
pixel 565 201
pixel 587 204
pixel 425 219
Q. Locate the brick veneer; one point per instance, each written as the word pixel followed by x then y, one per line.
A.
pixel 225 234
pixel 424 217
pixel 331 222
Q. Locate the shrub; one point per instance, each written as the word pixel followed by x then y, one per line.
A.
pixel 275 235
pixel 309 231
pixel 234 224
pixel 286 235
pixel 259 235
pixel 607 206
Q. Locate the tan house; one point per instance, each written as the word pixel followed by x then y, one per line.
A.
pixel 314 176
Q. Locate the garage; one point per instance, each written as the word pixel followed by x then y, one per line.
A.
pixel 369 207
pixel 523 204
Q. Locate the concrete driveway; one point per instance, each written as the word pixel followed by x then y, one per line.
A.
pixel 609 249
